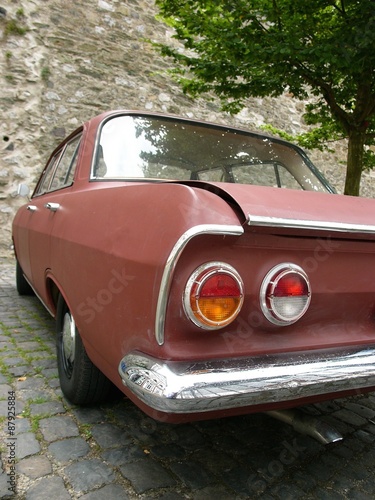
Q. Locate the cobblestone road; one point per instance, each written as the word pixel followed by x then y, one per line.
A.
pixel 53 450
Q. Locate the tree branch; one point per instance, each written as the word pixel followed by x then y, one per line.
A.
pixel 341 10
pixel 277 13
pixel 343 7
pixel 328 95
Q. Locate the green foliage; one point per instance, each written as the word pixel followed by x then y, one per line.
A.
pixel 15 25
pixel 85 430
pixel 45 73
pixel 319 49
pixel 368 159
pixel 12 27
pixel 20 13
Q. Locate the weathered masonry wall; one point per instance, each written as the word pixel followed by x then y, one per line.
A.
pixel 62 62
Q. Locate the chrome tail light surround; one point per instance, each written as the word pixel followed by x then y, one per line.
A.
pixel 213 295
pixel 285 294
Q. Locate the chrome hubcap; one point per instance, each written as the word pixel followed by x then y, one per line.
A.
pixel 68 341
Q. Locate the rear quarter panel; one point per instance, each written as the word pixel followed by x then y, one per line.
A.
pixel 109 248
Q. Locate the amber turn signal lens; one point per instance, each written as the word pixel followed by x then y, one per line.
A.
pixel 218 310
pixel 214 295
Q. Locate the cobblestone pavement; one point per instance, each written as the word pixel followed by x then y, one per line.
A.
pixel 56 450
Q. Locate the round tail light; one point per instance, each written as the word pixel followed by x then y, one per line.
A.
pixel 213 295
pixel 285 294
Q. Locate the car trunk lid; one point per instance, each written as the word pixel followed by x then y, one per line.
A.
pixel 293 212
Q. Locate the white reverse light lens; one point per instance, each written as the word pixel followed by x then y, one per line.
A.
pixel 285 294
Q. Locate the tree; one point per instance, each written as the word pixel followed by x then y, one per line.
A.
pixel 321 50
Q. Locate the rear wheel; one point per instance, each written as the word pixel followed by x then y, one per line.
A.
pixel 23 287
pixel 81 381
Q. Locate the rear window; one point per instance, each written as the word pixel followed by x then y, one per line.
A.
pixel 143 147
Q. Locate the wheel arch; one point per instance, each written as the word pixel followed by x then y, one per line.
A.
pixel 54 290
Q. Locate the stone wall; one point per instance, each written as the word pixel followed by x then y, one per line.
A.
pixel 63 61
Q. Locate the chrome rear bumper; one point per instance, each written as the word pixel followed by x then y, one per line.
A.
pixel 193 387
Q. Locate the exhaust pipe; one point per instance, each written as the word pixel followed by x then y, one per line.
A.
pixel 307 424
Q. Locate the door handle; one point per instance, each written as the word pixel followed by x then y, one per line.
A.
pixel 52 206
pixel 31 208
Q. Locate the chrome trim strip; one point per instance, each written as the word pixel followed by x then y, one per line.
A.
pixel 172 260
pixel 265 221
pixel 194 387
pixel 40 298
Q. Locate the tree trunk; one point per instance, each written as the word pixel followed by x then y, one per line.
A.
pixel 354 161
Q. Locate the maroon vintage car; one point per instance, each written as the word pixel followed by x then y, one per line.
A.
pixel 203 270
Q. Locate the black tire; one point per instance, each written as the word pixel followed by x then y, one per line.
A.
pixel 23 287
pixel 81 381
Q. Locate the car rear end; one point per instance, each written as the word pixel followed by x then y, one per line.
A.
pixel 276 316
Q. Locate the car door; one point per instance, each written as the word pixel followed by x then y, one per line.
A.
pixel 46 206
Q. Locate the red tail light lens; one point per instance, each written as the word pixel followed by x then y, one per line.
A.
pixel 285 294
pixel 213 296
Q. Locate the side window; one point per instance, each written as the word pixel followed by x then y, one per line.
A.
pixel 265 174
pixel 47 175
pixel 64 172
pixel 287 180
